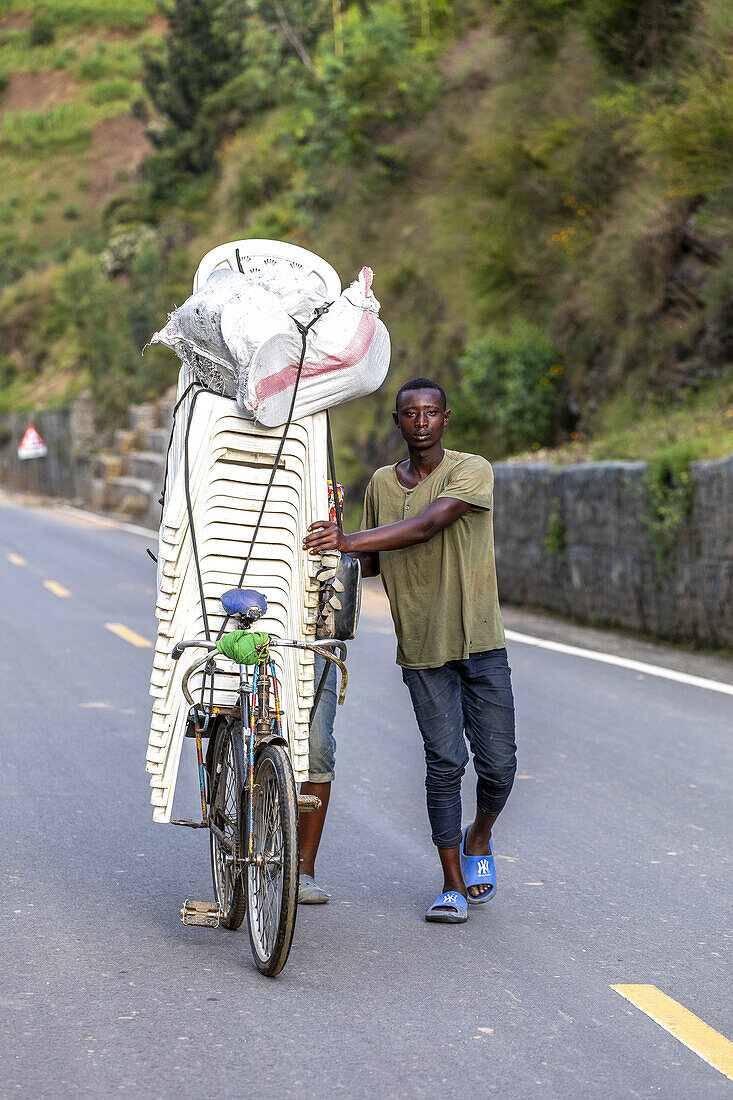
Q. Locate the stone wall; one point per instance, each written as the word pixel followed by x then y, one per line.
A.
pixel 574 540
pixel 64 471
pixel 126 478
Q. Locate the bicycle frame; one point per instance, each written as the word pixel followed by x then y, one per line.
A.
pixel 262 727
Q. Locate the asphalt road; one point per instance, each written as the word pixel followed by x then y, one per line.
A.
pixel 614 864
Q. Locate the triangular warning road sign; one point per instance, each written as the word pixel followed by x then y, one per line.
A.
pixel 32 444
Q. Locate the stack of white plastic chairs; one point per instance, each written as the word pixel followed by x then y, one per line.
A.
pixel 230 459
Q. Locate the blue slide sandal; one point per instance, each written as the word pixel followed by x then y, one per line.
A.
pixel 478 871
pixel 450 908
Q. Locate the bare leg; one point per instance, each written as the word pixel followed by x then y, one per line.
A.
pixel 477 843
pixel 311 826
pixel 451 863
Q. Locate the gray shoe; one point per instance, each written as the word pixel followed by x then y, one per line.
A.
pixel 309 893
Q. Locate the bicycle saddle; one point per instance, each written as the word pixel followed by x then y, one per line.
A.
pixel 244 602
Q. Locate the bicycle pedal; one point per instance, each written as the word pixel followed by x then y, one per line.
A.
pixel 204 913
pixel 307 803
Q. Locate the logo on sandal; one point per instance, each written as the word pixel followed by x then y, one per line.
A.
pixel 483 867
pixel 451 897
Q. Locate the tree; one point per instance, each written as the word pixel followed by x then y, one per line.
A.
pixel 202 52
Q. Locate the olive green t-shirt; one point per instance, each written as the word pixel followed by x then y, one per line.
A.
pixel 442 593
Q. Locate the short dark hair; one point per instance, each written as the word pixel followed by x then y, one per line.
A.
pixel 420 384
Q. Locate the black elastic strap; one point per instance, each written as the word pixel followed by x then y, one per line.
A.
pixel 176 407
pixel 332 474
pixel 303 330
pixel 319 691
pixel 340 522
pixel 189 507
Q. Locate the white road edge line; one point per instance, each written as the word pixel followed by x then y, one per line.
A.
pixel 104 521
pixel 512 635
pixel 621 662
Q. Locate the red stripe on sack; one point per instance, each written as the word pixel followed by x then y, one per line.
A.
pixel 353 353
pixel 368 277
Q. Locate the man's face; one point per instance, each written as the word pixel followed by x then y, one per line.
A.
pixel 421 418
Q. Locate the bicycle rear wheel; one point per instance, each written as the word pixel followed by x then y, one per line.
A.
pixel 225 812
pixel 272 877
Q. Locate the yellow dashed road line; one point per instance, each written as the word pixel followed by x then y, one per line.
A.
pixel 15 559
pixel 128 635
pixel 57 589
pixel 707 1043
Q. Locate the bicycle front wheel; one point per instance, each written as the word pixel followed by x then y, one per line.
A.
pixel 227 782
pixel 272 874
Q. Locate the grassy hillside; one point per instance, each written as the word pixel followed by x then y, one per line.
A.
pixel 542 188
pixel 72 132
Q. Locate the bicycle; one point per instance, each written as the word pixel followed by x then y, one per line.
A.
pixel 249 801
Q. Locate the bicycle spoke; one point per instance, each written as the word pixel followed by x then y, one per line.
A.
pixel 267 871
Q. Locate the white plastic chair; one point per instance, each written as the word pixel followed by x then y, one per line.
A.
pixel 256 255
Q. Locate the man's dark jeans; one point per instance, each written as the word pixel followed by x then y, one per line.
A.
pixel 474 696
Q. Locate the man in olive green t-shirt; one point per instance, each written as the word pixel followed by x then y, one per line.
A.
pixel 428 530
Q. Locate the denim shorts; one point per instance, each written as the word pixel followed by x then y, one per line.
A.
pixel 464 700
pixel 322 743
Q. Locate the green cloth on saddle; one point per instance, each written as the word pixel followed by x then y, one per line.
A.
pixel 242 645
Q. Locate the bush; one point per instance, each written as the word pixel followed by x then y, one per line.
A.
pixel 140 109
pixel 369 93
pixel 106 91
pixel 692 139
pixel 90 307
pixel 541 20
pixel 64 58
pixel 508 392
pixel 17 254
pixel 669 488
pixel 633 35
pixel 96 65
pixel 149 304
pixel 43 30
pixel 260 167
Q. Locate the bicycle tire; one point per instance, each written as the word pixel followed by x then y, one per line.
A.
pixel 227 784
pixel 272 879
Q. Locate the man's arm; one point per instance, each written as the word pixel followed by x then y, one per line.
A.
pixel 394 536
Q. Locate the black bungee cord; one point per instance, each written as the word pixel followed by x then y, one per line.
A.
pixel 303 330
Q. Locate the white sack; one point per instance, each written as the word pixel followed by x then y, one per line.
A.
pixel 224 323
pixel 347 356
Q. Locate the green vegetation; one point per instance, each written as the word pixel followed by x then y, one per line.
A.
pixel 509 390
pixel 43 29
pixel 554 540
pixel 69 124
pixel 542 187
pixel 669 486
pixel 65 143
pixel 132 14
pixel 634 424
pixel 107 91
